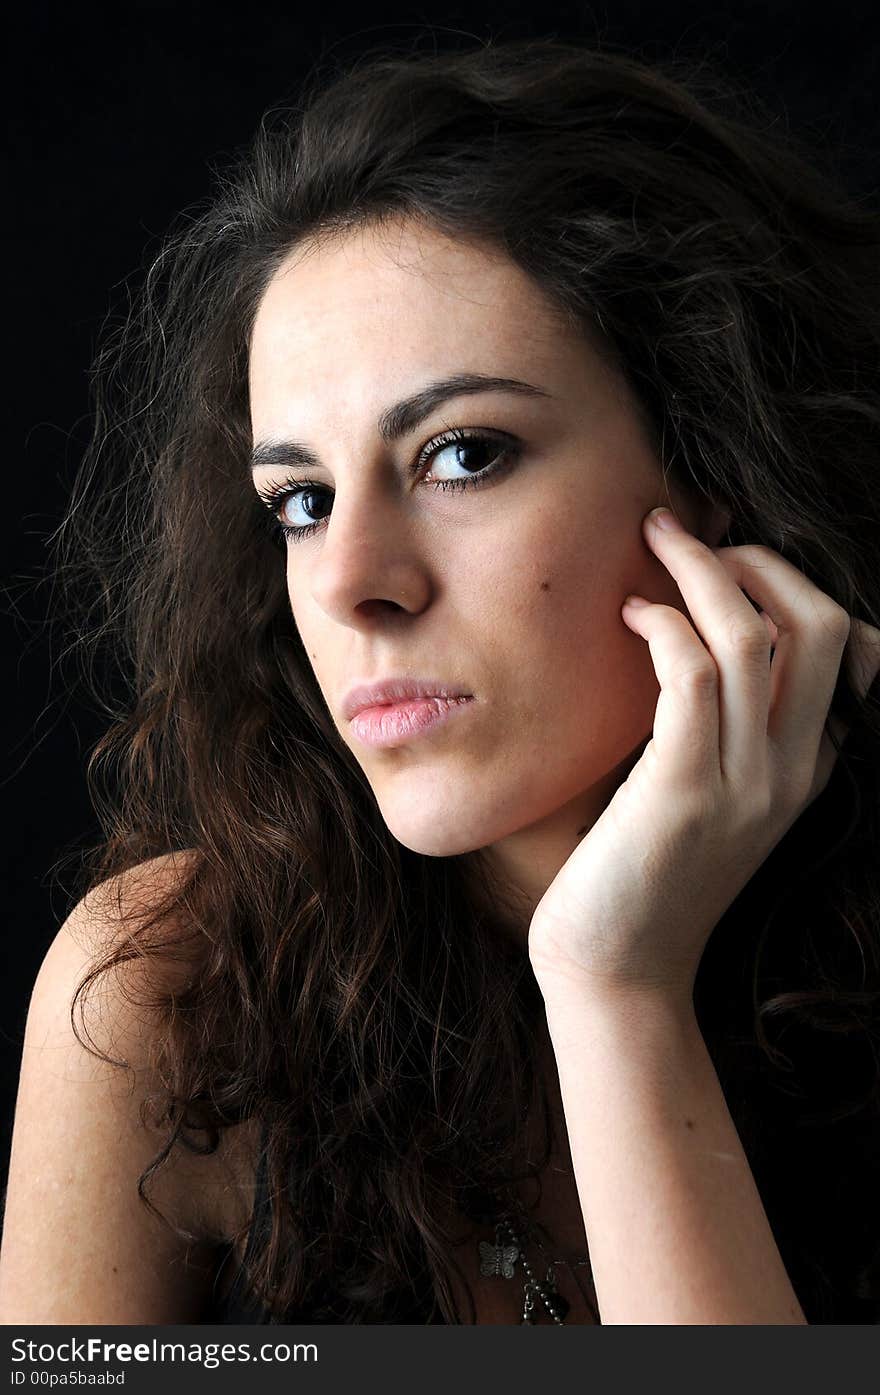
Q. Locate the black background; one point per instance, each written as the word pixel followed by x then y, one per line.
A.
pixel 115 116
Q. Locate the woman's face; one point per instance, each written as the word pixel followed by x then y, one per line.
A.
pixel 511 590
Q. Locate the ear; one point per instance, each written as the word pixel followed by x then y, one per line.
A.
pixel 714 523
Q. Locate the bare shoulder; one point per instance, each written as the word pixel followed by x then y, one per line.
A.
pixel 78 1243
pixel 211 1194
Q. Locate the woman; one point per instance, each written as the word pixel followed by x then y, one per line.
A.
pixel 543 989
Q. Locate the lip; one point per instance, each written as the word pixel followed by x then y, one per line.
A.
pixel 392 691
pixel 398 723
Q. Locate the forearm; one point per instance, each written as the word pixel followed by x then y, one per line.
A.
pixel 676 1228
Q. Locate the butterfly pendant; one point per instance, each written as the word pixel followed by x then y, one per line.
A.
pixel 498 1259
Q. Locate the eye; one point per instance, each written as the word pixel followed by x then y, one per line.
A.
pixel 499 449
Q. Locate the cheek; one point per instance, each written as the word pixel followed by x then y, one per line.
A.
pixel 567 586
pixel 563 624
pixel 311 630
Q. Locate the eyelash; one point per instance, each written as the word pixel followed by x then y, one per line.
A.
pixel 273 496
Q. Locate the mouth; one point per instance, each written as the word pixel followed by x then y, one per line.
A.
pixel 391 691
pixel 404 720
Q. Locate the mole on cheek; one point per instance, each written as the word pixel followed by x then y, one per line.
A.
pixel 545 585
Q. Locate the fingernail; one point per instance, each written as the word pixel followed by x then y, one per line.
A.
pixel 666 519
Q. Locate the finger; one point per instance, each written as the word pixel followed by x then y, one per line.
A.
pixel 686 718
pixel 862 658
pixel 738 642
pixel 812 632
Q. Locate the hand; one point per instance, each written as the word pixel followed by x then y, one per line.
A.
pixel 738 751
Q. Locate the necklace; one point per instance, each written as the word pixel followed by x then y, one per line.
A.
pixel 513 1230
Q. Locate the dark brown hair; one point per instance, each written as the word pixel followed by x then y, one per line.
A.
pixel 339 987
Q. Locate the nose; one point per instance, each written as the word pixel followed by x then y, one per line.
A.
pixel 371 556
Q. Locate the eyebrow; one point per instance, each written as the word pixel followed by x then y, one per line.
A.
pixel 400 419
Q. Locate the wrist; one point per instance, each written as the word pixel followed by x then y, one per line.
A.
pixel 568 988
pixel 618 1032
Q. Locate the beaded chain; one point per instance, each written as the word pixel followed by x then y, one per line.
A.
pixel 499 1260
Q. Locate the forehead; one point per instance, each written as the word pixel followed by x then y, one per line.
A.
pixel 403 295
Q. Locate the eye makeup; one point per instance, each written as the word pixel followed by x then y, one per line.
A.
pixel 276 496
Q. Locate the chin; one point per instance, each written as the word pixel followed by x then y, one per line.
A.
pixel 432 841
pixel 433 828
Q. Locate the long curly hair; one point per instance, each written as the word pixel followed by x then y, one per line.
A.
pixel 343 990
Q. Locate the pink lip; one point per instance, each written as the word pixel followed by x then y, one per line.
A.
pixel 392 723
pixel 394 690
